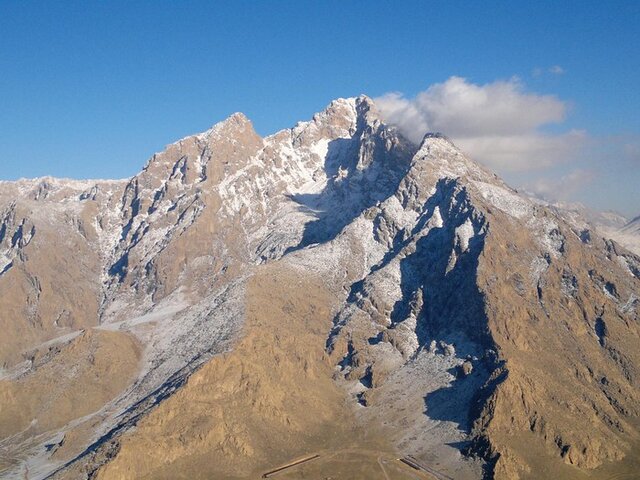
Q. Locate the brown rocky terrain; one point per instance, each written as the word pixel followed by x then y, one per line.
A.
pixel 571 375
pixel 269 400
pixel 331 289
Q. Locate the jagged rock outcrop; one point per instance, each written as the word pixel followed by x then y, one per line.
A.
pixel 329 284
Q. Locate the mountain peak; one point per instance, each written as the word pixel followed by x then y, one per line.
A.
pixel 438 135
pixel 237 118
pixel 349 113
pixel 436 145
pixel 235 121
pixel 365 102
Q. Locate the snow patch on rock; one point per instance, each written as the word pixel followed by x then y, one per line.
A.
pixel 505 200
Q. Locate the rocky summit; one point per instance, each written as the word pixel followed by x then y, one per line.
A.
pixel 331 301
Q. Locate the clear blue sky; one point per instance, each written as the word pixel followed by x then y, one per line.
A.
pixel 92 89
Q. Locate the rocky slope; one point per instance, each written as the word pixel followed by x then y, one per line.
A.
pixel 331 288
pixel 608 224
pixel 629 235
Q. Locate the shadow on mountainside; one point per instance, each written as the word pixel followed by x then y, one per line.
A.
pixel 361 172
pixel 452 306
pixel 457 402
pixel 443 272
pixel 438 283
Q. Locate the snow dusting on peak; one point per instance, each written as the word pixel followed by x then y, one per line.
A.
pixel 235 121
pixel 437 138
pixel 447 160
pixel 505 199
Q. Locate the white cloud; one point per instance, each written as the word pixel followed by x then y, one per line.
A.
pixel 522 152
pixel 498 123
pixel 562 188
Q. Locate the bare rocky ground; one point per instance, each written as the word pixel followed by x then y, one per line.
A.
pixel 330 289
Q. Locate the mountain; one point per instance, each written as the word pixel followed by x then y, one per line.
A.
pixel 633 226
pixel 333 290
pixel 608 224
pixel 577 213
pixel 628 235
pixel 625 232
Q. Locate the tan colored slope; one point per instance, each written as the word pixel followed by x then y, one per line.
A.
pixel 52 288
pixel 270 400
pixel 570 402
pixel 70 380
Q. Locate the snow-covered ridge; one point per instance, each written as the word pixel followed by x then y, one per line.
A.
pixel 62 181
pixel 52 189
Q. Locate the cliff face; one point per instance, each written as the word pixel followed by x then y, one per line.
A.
pixel 331 288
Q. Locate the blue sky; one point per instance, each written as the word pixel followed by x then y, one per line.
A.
pixel 92 89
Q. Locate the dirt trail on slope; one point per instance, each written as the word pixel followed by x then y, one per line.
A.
pixel 268 401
